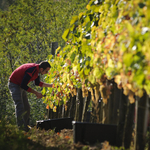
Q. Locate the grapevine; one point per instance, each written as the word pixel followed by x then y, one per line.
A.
pixel 109 41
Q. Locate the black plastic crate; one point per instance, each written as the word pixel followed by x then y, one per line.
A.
pixel 57 124
pixel 91 133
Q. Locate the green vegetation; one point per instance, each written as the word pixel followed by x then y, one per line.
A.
pixel 27 30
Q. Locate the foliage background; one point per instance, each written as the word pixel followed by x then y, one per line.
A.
pixel 27 30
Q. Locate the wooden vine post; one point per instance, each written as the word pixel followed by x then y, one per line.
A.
pixel 142 109
pixel 122 115
pixel 54 46
pixel 85 107
pixel 96 105
pixel 72 107
pixel 79 105
pixel 129 123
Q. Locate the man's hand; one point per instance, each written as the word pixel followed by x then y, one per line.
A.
pixel 39 95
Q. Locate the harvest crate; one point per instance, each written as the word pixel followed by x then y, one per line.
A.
pixel 90 133
pixel 57 124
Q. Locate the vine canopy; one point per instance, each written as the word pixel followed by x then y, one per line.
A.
pixel 109 41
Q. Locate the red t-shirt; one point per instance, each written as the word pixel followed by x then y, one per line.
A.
pixel 25 74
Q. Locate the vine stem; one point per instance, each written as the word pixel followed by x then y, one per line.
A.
pixel 136 119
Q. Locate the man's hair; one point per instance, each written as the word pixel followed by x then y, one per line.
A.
pixel 44 65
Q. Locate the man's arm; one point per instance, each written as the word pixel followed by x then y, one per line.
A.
pixel 47 85
pixel 25 81
pixel 25 87
pixel 42 84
